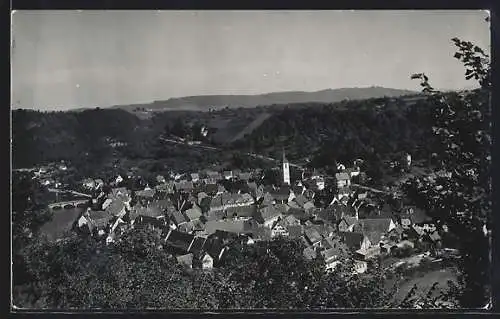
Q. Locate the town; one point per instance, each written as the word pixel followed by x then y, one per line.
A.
pixel 201 213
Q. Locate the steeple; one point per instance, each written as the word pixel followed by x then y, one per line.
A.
pixel 286 170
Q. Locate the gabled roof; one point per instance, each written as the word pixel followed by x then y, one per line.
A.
pixel 240 211
pixel 185 260
pixel 245 176
pixel 208 188
pixel 150 211
pixel 261 233
pixel 197 246
pixel 146 220
pixel 115 208
pixel 215 214
pixel 331 253
pixel 291 220
pixel 193 213
pixel 300 200
pixel 380 225
pixel 119 190
pixel 353 240
pixel 349 220
pixel 295 231
pixel 147 193
pixel 373 236
pixel 178 217
pixel 282 208
pixel 312 235
pixel 179 240
pixel 184 186
pixel 269 212
pixel 298 213
pixel 342 176
pixel 232 226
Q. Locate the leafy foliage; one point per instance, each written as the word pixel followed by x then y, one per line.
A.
pixel 461 199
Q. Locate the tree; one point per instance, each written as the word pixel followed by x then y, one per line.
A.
pixel 461 200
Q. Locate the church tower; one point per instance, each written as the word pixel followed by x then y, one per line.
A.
pixel 286 170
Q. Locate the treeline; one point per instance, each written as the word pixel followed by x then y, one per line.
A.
pixel 367 129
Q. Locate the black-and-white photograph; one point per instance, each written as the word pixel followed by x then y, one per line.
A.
pixel 232 160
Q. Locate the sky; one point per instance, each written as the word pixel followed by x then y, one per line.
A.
pixel 71 59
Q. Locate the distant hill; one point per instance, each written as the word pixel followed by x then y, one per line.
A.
pixel 205 102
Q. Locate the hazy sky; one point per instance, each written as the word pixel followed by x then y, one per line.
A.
pixel 67 59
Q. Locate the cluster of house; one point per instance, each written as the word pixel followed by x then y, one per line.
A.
pixel 45 174
pixel 199 217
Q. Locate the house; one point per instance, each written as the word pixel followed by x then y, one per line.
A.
pixel 268 199
pixel 300 200
pixel 212 177
pixel 355 241
pixel 116 208
pixel 300 214
pixel 209 189
pixel 228 175
pixel 268 216
pixel 150 222
pixel 150 211
pixel 261 233
pixel 295 231
pixel 99 183
pixel 290 220
pixel 281 195
pixel 346 224
pixel 381 225
pixel 178 218
pixel 313 237
pixel 343 179
pixel 395 235
pixel 279 230
pixel 195 177
pixel 186 260
pixel 187 227
pixel 207 262
pixel 97 221
pixel 146 194
pixel 215 214
pixel 231 226
pixel 369 253
pixel 179 241
pixel 165 188
pixel 241 212
pixel 413 215
pixel 197 247
pixel 184 186
pixel 245 176
pixel 331 257
pixel 194 213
